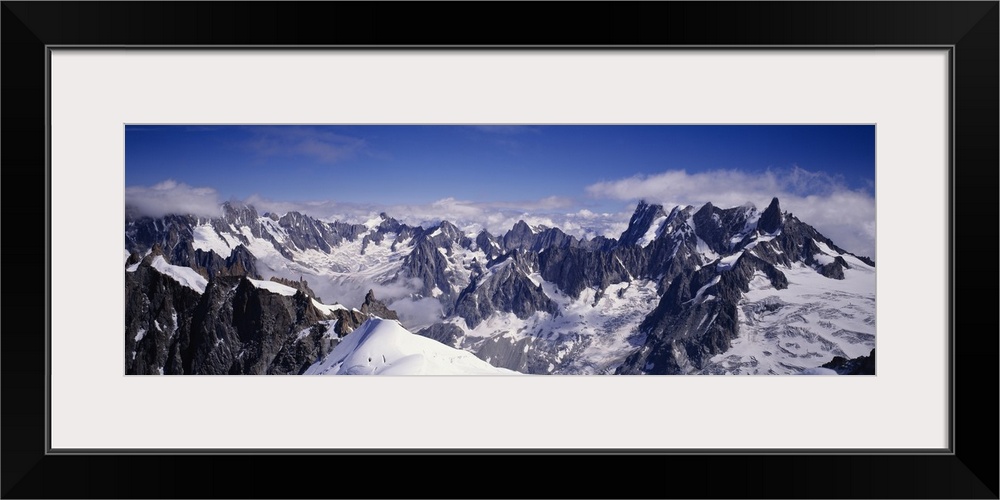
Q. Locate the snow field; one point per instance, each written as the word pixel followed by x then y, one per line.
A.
pixel 384 347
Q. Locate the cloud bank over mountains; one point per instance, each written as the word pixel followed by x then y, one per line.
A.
pixel 845 215
pixel 172 197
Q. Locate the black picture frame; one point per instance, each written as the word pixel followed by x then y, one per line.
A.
pixel 969 470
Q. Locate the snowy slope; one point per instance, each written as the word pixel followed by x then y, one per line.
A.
pixel 288 291
pixel 326 308
pixel 349 269
pixel 343 274
pixel 653 231
pixel 591 335
pixel 205 239
pixel 384 347
pixel 803 326
pixel 183 275
pixel 274 287
pixel 779 331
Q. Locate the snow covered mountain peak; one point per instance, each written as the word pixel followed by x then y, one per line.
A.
pixel 384 347
pixel 677 292
pixel 644 225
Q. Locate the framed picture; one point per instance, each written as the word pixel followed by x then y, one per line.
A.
pixel 922 74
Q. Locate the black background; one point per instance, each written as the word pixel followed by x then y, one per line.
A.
pixel 971 472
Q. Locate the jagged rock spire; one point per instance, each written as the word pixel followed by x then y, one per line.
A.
pixel 770 220
pixel 374 307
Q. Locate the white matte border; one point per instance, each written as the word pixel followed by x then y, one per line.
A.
pixel 94 93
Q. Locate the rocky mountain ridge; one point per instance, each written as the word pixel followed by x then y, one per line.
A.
pixel 673 294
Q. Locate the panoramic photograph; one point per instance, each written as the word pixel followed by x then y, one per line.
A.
pixel 499 250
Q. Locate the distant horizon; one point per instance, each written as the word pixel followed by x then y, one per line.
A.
pixel 584 179
pixel 360 218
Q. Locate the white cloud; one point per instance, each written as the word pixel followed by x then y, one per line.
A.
pixel 417 314
pixel 318 209
pixel 470 216
pixel 498 218
pixel 413 313
pixel 172 197
pixel 846 216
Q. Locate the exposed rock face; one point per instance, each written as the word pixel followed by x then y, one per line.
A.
pixel 239 218
pixel 158 314
pixel 575 269
pixel 511 354
pixel 524 237
pixel 388 226
pixel 641 223
pixel 142 233
pixel 242 215
pixel 489 245
pixel 505 288
pixel 599 243
pixel 697 317
pixel 835 269
pixel 700 261
pixel 305 232
pixel 446 333
pixel 293 358
pixel 433 262
pixel 300 285
pixel 553 237
pixel 232 328
pixel 770 219
pixel 446 235
pixel 374 307
pixel 519 237
pixel 241 329
pixel 428 266
pixel 239 263
pixel 861 365
pixel 724 229
pixel 175 233
pixel 347 320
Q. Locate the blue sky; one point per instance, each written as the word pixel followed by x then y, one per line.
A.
pixel 419 164
pixel 452 171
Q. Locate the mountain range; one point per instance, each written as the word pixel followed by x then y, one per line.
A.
pixel 685 290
